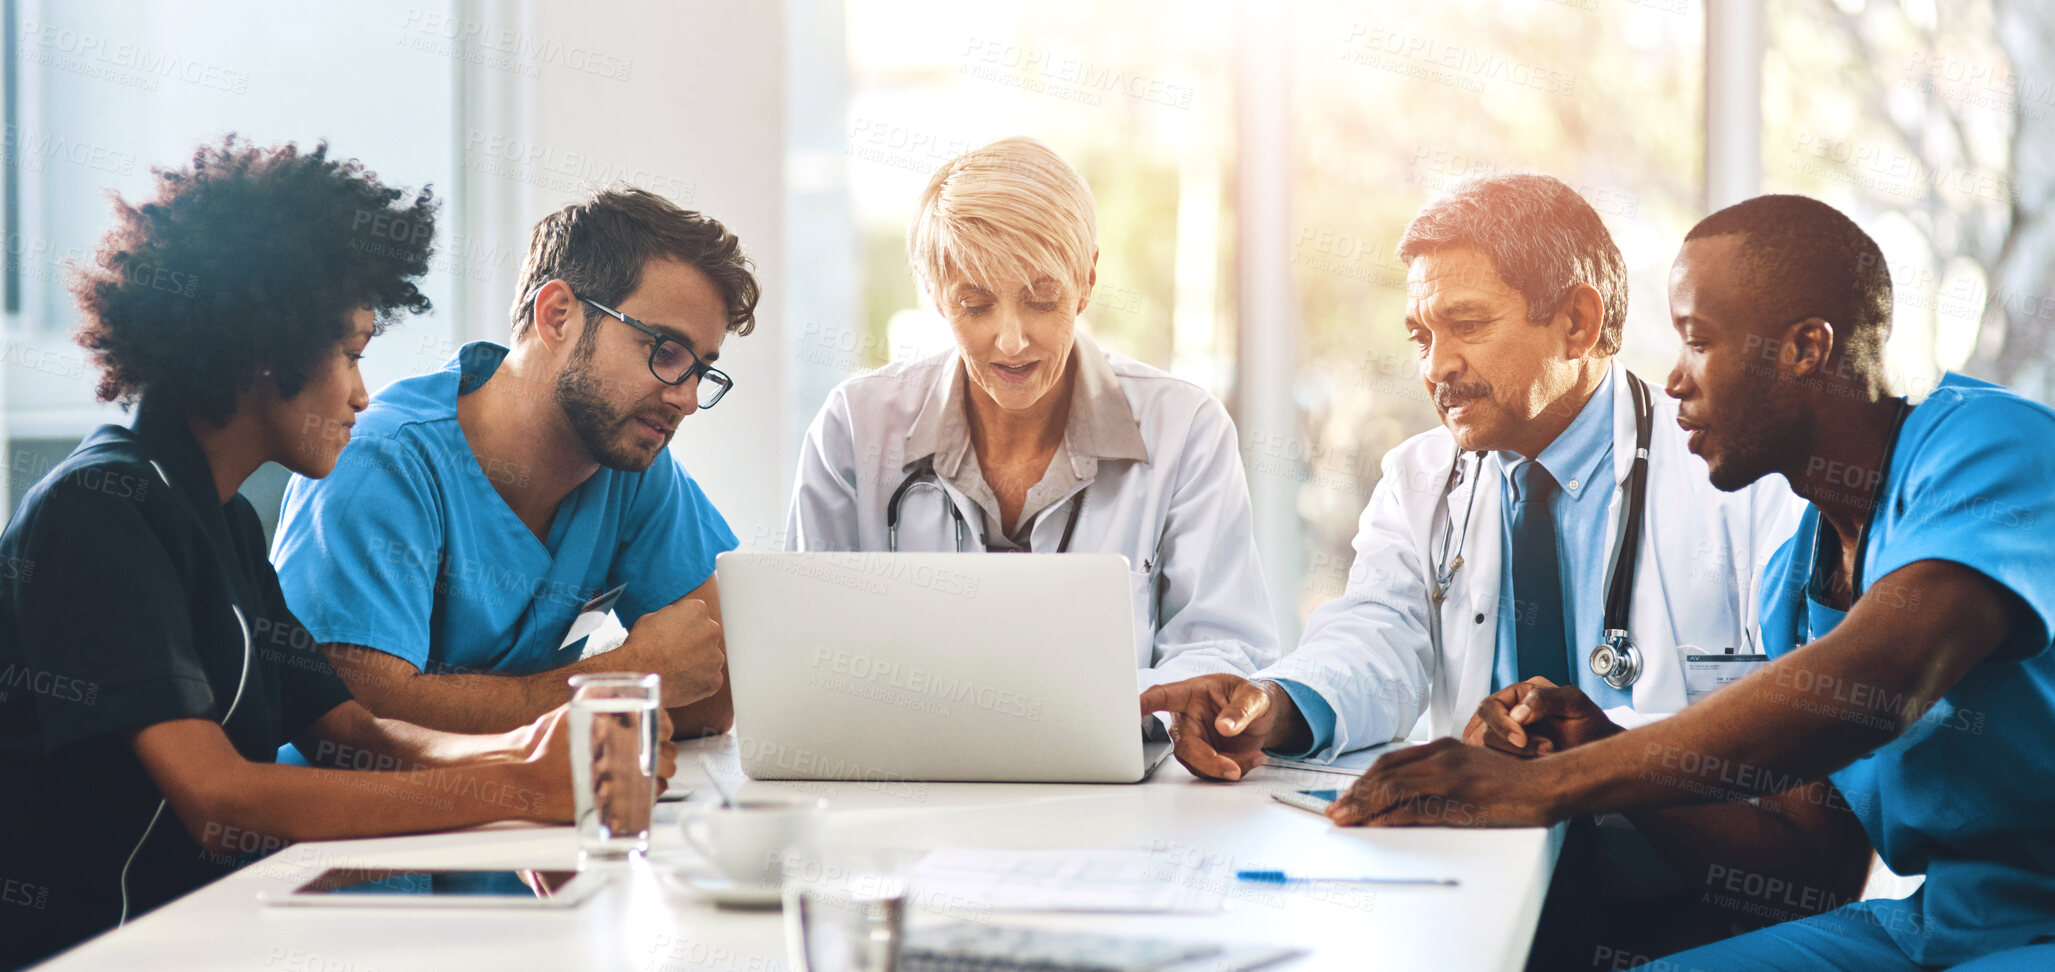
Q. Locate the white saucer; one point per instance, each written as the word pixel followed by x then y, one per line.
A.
pixel 723 892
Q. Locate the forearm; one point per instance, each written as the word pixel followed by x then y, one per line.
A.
pixel 454 702
pixel 222 798
pixel 350 737
pixel 1765 734
pixel 485 702
pixel 1912 636
pixel 296 803
pixel 475 702
pixel 1804 841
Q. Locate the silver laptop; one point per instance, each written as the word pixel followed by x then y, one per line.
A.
pixel 931 667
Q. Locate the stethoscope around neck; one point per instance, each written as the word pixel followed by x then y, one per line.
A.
pixel 924 476
pixel 1616 659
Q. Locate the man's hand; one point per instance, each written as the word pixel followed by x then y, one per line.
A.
pixel 1222 723
pixel 546 750
pixel 532 740
pixel 1538 717
pixel 679 641
pixel 1448 784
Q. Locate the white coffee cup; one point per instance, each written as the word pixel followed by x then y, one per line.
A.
pixel 749 842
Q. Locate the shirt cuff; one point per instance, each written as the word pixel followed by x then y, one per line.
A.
pixel 1318 714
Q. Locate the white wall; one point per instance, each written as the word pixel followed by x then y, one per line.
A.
pixel 700 117
pixel 110 89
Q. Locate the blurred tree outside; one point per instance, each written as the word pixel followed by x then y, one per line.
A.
pixel 1933 124
pixel 1929 121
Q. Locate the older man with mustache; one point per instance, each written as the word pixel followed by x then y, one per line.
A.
pixel 1485 560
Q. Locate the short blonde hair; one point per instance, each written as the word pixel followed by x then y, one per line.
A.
pixel 1013 206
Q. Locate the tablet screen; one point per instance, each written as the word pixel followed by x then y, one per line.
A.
pixel 437 883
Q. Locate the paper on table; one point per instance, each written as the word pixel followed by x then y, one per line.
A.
pixel 1063 880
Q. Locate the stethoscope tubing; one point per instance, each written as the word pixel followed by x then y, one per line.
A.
pixel 924 474
pixel 1623 665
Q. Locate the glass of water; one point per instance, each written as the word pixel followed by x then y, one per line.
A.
pixel 845 910
pixel 613 761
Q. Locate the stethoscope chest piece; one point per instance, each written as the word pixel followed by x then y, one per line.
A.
pixel 1616 660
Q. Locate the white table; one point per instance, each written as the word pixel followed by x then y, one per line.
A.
pixel 639 924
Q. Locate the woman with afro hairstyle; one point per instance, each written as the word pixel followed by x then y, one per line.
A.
pixel 149 667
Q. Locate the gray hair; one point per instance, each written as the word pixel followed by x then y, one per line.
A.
pixel 1542 237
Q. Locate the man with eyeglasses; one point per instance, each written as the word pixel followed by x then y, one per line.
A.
pixel 461 561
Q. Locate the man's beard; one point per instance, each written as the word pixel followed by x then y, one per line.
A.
pixel 597 422
pixel 1749 449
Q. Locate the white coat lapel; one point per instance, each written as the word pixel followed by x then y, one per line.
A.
pixel 1470 617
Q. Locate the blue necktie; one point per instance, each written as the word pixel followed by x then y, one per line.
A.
pixel 1537 595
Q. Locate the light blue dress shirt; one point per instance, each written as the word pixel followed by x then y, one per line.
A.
pixel 1580 459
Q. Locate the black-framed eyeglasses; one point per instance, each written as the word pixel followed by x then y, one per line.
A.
pixel 672 362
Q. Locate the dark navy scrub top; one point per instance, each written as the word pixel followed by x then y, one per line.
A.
pixel 121 577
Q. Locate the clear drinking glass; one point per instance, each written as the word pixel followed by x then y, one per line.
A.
pixel 613 761
pixel 845 911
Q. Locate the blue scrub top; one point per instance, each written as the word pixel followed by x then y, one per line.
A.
pixel 407 548
pixel 1967 794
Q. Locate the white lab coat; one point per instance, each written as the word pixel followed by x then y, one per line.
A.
pixel 1381 655
pixel 1182 518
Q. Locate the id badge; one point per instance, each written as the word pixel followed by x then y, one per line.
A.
pixel 592 616
pixel 1706 674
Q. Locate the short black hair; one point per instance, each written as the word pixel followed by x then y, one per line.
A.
pixel 599 246
pixel 1802 258
pixel 246 259
pixel 1542 237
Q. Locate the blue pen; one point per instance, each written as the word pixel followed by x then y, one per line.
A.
pixel 1280 877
